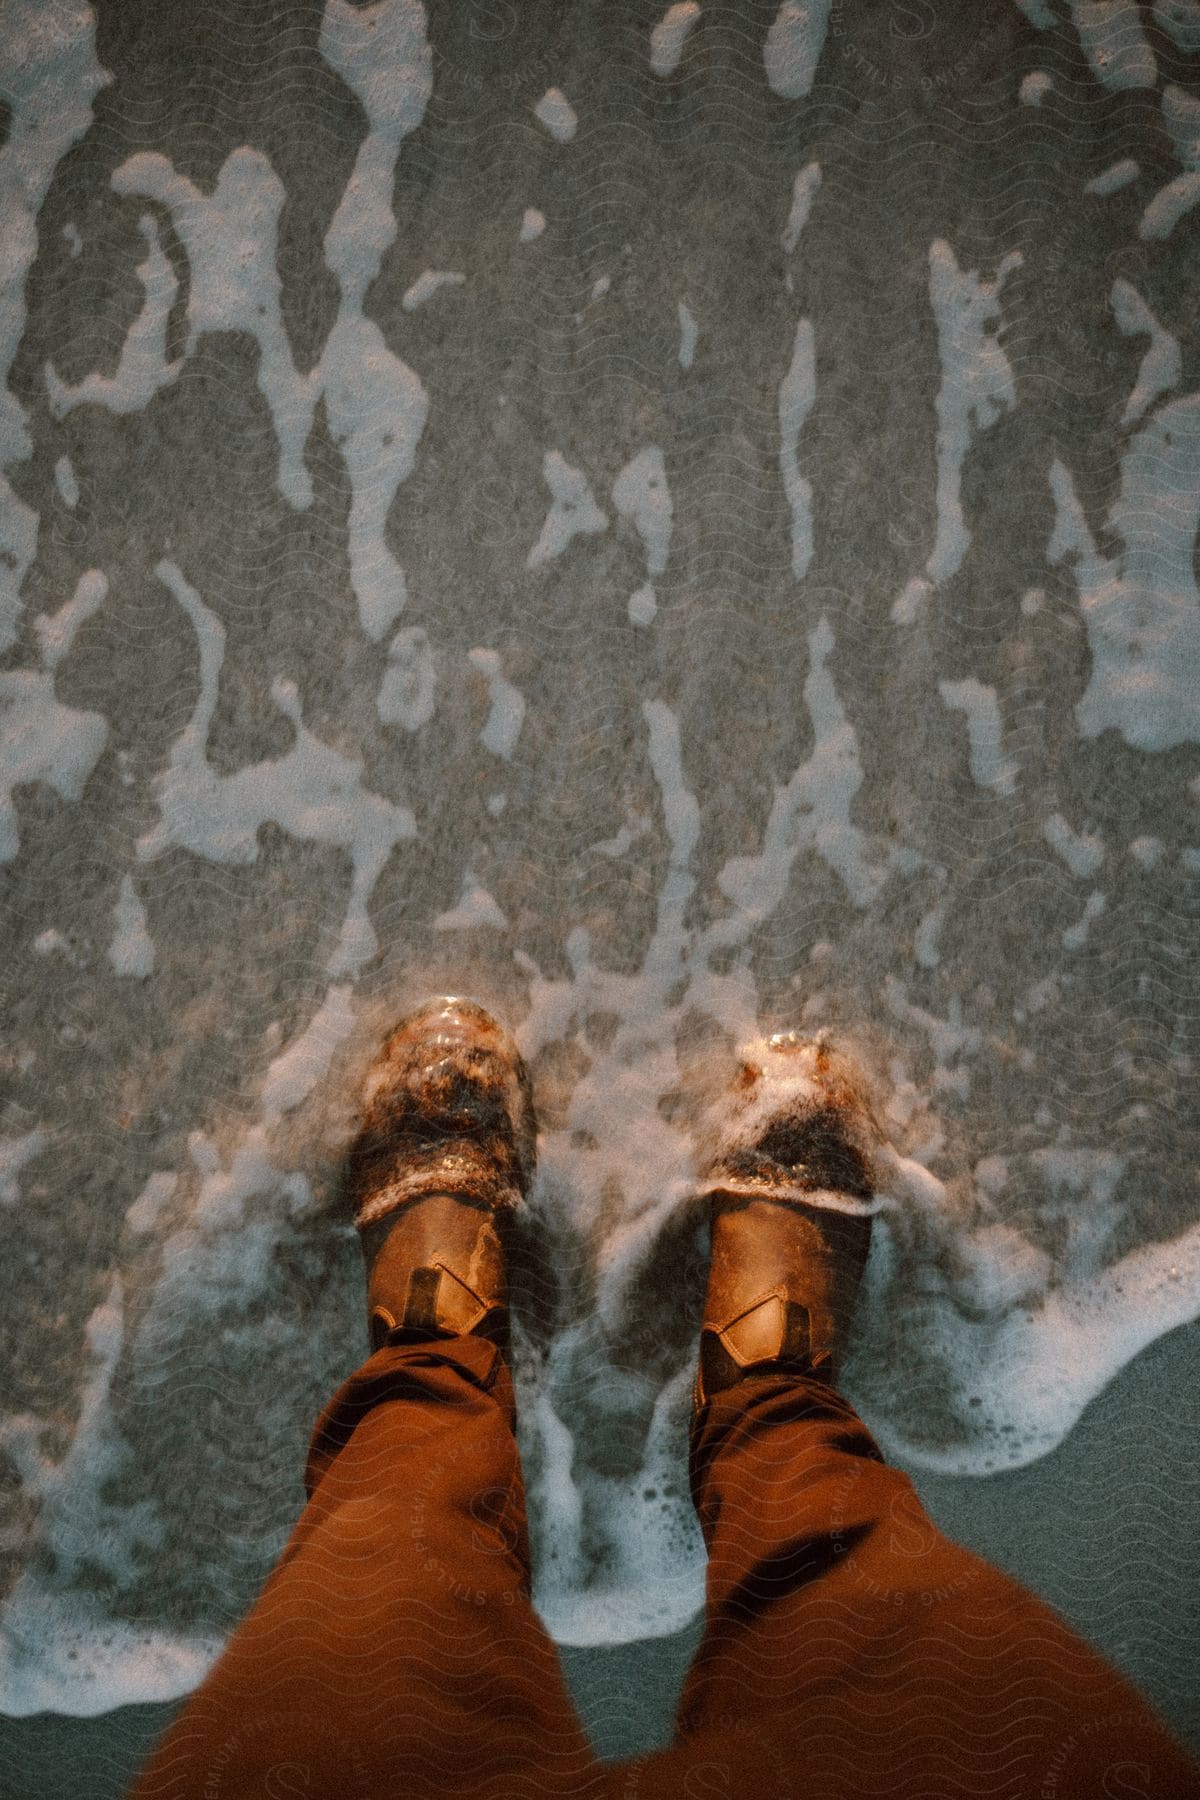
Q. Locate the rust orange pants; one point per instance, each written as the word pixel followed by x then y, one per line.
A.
pixel 850 1648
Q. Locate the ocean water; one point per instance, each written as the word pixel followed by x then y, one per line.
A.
pixel 677 524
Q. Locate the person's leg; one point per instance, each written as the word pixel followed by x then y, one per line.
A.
pixel 394 1650
pixel 850 1648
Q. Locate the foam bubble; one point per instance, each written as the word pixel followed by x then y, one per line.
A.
pixel 15 1153
pixel 977 386
pixel 670 35
pixel 1082 851
pixel 557 114
pixel 804 192
pixel 688 333
pixel 1181 116
pixel 131 951
pixel 427 284
pixel 507 705
pixel 573 510
pixel 475 909
pixel 1110 35
pixel 985 732
pixel 793 47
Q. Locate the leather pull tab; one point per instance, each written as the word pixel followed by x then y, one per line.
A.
pixel 421 1301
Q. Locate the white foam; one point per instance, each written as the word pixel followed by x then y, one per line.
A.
pixel 999 1269
pixel 1181 116
pixel 1076 936
pixel 49 77
pixel 634 828
pixel 1110 35
pixel 406 693
pixel 533 223
pixel 229 238
pixel 475 909
pixel 1111 180
pixel 15 1152
pixel 293 1075
pixel 382 53
pixel 636 1152
pixel 812 811
pixel 976 387
pixel 1074 1173
pixel 1082 851
pixel 670 34
pixel 561 1549
pixel 41 740
pixel 573 510
pixel 1162 366
pixel 503 725
pixel 950 1040
pixel 58 1650
pixel 909 604
pixel 131 951
pixel 797 391
pixel 688 332
pixel 643 605
pixel 556 113
pixel 1169 205
pixel 1180 19
pixel 219 1207
pixel 1034 88
pixel 375 404
pixel 928 932
pixel 793 47
pixel 312 792
pixel 985 732
pixel 600 287
pixel 1041 994
pixel 427 284
pixel 654 1566
pixel 804 192
pixel 51 942
pixel 1141 605
pixel 145 1213
pixel 1028 1371
pixel 1147 851
pixel 143 367
pixel 640 493
pixel 55 634
pixel 66 481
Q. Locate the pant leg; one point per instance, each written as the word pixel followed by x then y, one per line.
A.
pixel 394 1649
pixel 851 1649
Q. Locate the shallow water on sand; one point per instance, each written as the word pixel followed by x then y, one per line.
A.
pixel 677 526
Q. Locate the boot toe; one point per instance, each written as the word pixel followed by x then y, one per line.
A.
pixel 448 1107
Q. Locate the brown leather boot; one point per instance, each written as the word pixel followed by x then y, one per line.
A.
pixel 789 1183
pixel 442 1161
